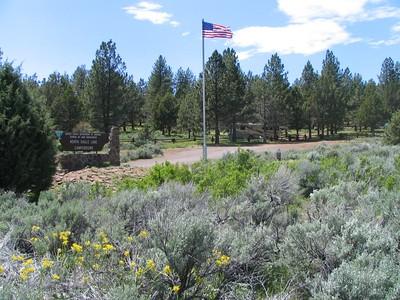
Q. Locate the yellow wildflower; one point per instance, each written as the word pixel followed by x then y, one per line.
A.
pixel 167 270
pixel 150 264
pixel 55 277
pixel 86 279
pixel 64 236
pixel 121 263
pixel 139 272
pixel 108 247
pixel 34 239
pixel 35 228
pixel 223 261
pixel 126 253
pixel 28 262
pixel 76 248
pixel 87 243
pixel 1 269
pixel 96 267
pixel 17 258
pixel 132 264
pixel 176 289
pixel 96 247
pixel 25 272
pixel 130 238
pixel 144 234
pixel 47 263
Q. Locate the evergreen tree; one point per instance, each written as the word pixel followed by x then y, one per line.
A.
pixel 389 80
pixel 215 70
pixel 132 103
pixel 331 101
pixel 158 94
pixel 308 87
pixel 189 112
pixel 371 111
pixel 184 82
pixel 234 91
pixel 105 89
pixel 294 108
pixel 259 89
pixel 142 92
pixel 355 100
pixel 65 107
pixel 26 141
pixel 278 88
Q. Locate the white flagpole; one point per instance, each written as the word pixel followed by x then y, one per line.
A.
pixel 204 100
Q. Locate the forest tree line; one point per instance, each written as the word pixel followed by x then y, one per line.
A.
pixel 106 95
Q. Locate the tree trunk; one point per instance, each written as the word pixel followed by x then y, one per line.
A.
pixel 265 133
pixel 124 126
pixel 189 134
pixel 309 130
pixel 217 136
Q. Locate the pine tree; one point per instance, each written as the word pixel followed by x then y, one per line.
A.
pixel 66 108
pixel 331 101
pixel 278 89
pixel 371 111
pixel 294 108
pixel 259 89
pixel 215 70
pixel 189 112
pixel 234 91
pixel 158 93
pixel 106 88
pixel 389 80
pixel 27 148
pixel 308 87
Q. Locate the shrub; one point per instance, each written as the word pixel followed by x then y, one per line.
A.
pixel 392 131
pixel 26 142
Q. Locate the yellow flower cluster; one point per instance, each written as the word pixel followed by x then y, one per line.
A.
pixel 17 258
pixel 176 289
pixel 223 261
pixel 167 270
pixel 47 263
pixel 108 247
pixel 126 253
pixel 35 228
pixel 64 236
pixel 25 272
pixel 144 234
pixel 150 264
pixel 76 248
pixel 1 269
pixel 28 262
pixel 34 239
pixel 55 277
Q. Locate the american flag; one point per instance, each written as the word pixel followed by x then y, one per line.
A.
pixel 216 31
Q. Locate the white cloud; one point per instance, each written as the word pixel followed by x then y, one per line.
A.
pixel 186 33
pixel 305 10
pixel 174 23
pixel 314 26
pixel 390 42
pixel 307 38
pixel 396 28
pixel 149 11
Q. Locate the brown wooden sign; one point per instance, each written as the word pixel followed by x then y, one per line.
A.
pixel 83 141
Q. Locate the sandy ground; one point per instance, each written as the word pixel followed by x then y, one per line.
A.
pixel 192 155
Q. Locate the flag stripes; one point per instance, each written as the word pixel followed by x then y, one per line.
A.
pixel 216 31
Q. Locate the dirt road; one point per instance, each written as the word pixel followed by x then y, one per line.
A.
pixel 192 155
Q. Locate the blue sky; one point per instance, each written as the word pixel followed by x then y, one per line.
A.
pixel 58 35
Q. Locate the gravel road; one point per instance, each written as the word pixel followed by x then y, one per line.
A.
pixel 192 155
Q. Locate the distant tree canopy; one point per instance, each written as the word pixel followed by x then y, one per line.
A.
pixel 26 139
pixel 320 102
